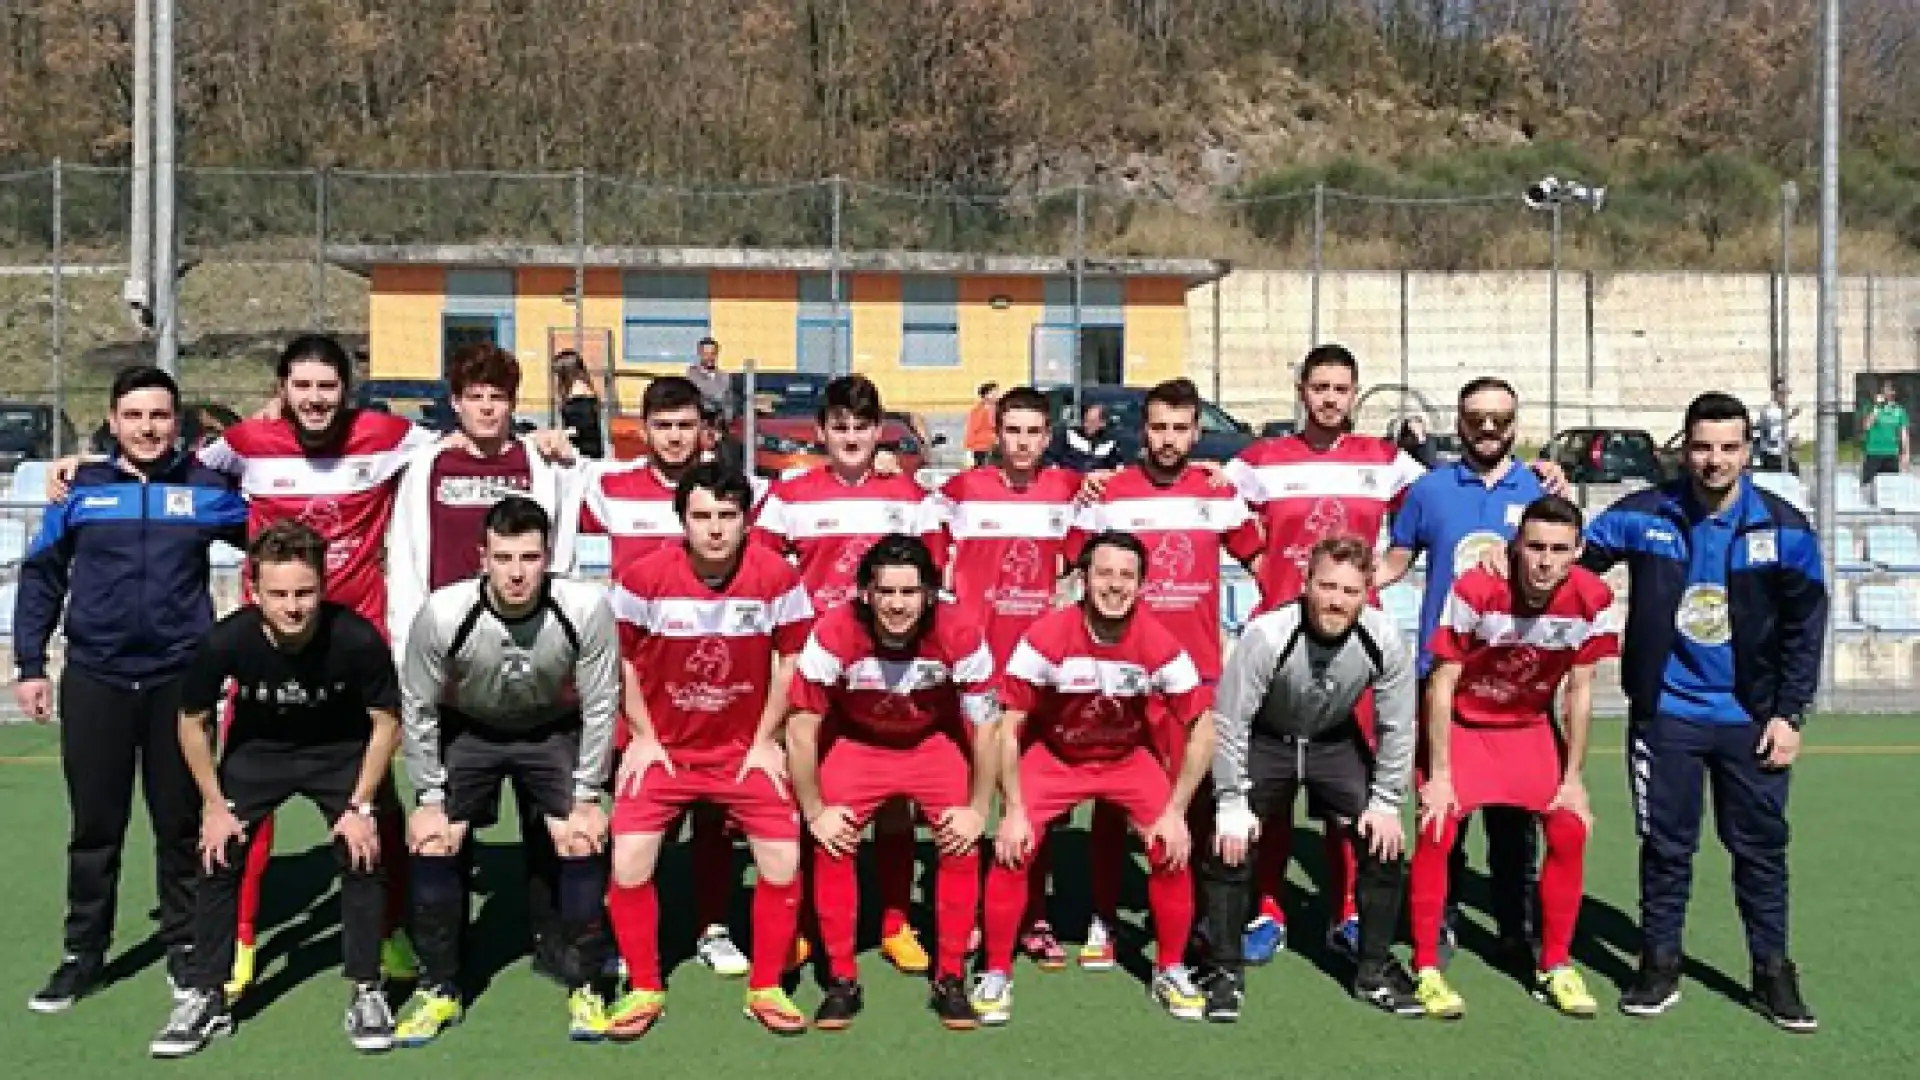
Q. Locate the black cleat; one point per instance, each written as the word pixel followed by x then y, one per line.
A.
pixel 75 978
pixel 842 1003
pixel 1226 992
pixel 1776 991
pixel 1655 989
pixel 951 1003
pixel 1386 986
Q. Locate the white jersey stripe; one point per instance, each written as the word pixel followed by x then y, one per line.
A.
pixel 845 517
pixel 981 520
pixel 690 617
pixel 1324 479
pixel 314 477
pixel 1182 513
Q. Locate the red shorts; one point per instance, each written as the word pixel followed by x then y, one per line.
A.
pixel 1505 766
pixel 860 776
pixel 754 804
pixel 1137 784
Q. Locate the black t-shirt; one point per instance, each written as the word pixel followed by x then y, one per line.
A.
pixel 319 695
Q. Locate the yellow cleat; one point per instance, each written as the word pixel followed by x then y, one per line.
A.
pixel 397 962
pixel 1566 991
pixel 587 1016
pixel 1438 998
pixel 425 1016
pixel 1175 990
pixel 775 1011
pixel 636 1014
pixel 242 976
pixel 904 951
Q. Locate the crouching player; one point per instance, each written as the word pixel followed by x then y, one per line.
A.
pixel 1501 651
pixel 891 698
pixel 1088 679
pixel 708 630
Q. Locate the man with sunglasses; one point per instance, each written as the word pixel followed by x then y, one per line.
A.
pixel 1454 514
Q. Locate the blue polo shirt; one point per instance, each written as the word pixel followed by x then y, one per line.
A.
pixel 1453 515
pixel 1697 685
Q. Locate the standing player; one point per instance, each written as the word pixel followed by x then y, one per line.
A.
pixel 708 631
pixel 892 698
pixel 315 715
pixel 513 675
pixel 1089 679
pixel 1286 723
pixel 1006 528
pixel 1501 652
pixel 827 518
pixel 1185 519
pixel 1452 515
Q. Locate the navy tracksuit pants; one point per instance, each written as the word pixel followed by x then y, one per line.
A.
pixel 1669 764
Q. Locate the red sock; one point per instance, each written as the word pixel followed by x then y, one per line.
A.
pixel 1006 902
pixel 1562 883
pixel 250 877
pixel 1107 851
pixel 1038 868
pixel 394 853
pixel 1272 852
pixel 634 911
pixel 1427 891
pixel 776 917
pixel 712 852
pixel 956 901
pixel 1343 864
pixel 894 862
pixel 1170 902
pixel 836 904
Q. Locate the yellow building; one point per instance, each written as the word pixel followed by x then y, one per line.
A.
pixel 928 328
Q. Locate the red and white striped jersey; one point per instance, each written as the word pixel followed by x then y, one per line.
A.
pixel 1184 525
pixel 1305 495
pixel 632 505
pixel 940 685
pixel 1006 546
pixel 828 525
pixel 344 494
pixel 704 655
pixel 1087 701
pixel 1512 664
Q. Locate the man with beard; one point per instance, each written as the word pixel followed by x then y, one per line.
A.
pixel 1453 515
pixel 1085 691
pixel 1185 521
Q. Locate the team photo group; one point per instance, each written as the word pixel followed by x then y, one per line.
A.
pixel 843 660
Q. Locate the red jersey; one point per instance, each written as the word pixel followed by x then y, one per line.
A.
pixel 1006 547
pixel 344 494
pixel 632 506
pixel 873 695
pixel 704 654
pixel 1304 495
pixel 1512 664
pixel 1088 701
pixel 829 524
pixel 463 488
pixel 1184 525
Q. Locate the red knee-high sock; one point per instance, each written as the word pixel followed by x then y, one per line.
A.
pixel 1427 890
pixel 1107 851
pixel 712 852
pixel 1272 853
pixel 1170 902
pixel 893 861
pixel 776 917
pixel 394 853
pixel 250 877
pixel 1038 868
pixel 1006 902
pixel 956 904
pixel 1562 882
pixel 634 911
pixel 1343 864
pixel 836 904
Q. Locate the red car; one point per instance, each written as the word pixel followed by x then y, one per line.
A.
pixel 784 445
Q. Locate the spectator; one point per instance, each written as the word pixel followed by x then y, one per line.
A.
pixel 1775 442
pixel 706 374
pixel 979 435
pixel 1087 448
pixel 1885 447
pixel 579 403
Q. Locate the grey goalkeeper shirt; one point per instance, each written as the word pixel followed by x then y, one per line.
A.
pixel 511 676
pixel 1283 681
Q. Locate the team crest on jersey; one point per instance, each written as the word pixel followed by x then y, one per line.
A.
pixel 896 519
pixel 362 472
pixel 1703 617
pixel 1057 520
pixel 1763 547
pixel 1133 683
pixel 1206 513
pixel 179 504
pixel 712 660
pixel 746 620
pixel 1370 479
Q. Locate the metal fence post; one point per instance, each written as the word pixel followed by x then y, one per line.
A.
pixel 1592 381
pixel 749 415
pixel 1319 264
pixel 1789 198
pixel 834 285
pixel 166 232
pixel 1828 336
pixel 1553 331
pixel 59 328
pixel 1079 286
pixel 320 319
pixel 1406 342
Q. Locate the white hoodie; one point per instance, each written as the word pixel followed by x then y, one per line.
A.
pixel 557 488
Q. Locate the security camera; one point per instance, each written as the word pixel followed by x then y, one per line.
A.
pixel 1590 197
pixel 1542 193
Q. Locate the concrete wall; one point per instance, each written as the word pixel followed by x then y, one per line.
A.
pixel 1633 348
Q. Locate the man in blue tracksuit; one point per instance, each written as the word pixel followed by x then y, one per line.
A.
pixel 1726 617
pixel 126 554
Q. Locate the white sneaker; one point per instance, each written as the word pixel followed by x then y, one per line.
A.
pixel 717 951
pixel 993 997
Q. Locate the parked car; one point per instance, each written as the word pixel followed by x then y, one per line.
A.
pixel 426 402
pixel 26 432
pixel 1221 435
pixel 1278 429
pixel 1606 455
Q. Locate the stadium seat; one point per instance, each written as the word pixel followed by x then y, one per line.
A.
pixel 1402 602
pixel 1784 484
pixel 1894 547
pixel 593 554
pixel 9 593
pixel 1848 498
pixel 1844 609
pixel 13 541
pixel 29 482
pixel 1897 493
pixel 1882 660
pixel 1846 551
pixel 1888 609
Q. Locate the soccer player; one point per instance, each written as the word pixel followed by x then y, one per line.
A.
pixel 128 560
pixel 1006 528
pixel 1185 519
pixel 1286 722
pixel 1085 683
pixel 827 518
pixel 512 675
pixel 1452 515
pixel 893 698
pixel 1502 651
pixel 315 715
pixel 709 629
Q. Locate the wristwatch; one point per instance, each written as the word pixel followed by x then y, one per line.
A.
pixel 364 809
pixel 432 797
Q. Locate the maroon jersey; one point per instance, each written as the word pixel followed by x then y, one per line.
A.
pixel 463 488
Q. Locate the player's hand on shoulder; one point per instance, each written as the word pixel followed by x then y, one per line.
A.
pixel 1493 559
pixel 556 445
pixel 60 478
pixel 1093 486
pixel 1216 473
pixel 886 463
pixel 1553 478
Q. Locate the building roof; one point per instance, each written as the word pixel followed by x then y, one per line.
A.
pixel 361 258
